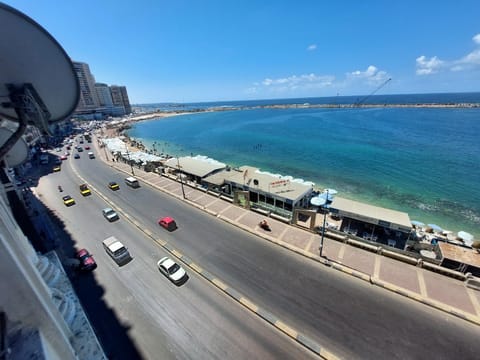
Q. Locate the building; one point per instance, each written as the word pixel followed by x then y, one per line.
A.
pixel 120 98
pixel 104 95
pixel 88 94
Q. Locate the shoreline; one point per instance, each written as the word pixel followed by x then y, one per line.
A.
pixel 165 113
pixel 416 215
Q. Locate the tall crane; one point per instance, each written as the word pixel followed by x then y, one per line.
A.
pixel 362 100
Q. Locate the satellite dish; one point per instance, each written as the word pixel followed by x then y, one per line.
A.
pixel 31 56
pixel 18 153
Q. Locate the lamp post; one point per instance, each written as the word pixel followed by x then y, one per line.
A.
pixel 129 160
pixel 325 211
pixel 181 178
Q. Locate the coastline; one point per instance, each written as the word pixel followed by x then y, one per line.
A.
pixel 417 213
pixel 163 113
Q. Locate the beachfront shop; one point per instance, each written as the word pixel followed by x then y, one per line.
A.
pixel 271 194
pixel 372 223
pixel 194 168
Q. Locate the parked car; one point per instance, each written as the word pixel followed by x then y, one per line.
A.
pixel 87 262
pixel 172 270
pixel 110 214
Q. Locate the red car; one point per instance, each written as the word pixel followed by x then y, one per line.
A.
pixel 63 157
pixel 87 147
pixel 87 262
pixel 168 223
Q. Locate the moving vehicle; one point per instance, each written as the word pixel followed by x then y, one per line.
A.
pixel 68 200
pixel 172 270
pixel 87 147
pixel 110 214
pixel 79 149
pixel 84 190
pixel 132 182
pixel 63 157
pixel 167 223
pixel 113 185
pixel 91 155
pixel 117 251
pixel 87 262
pixel 57 168
pixel 76 156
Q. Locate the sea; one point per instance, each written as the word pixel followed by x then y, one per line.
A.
pixel 421 160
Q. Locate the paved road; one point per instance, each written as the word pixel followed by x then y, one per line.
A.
pixel 136 304
pixel 352 319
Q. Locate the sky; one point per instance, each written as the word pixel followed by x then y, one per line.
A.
pixel 212 50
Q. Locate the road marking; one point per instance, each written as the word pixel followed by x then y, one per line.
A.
pixel 178 254
pixel 376 267
pixel 473 298
pixel 148 232
pixel 341 253
pixel 286 329
pixel 161 242
pixel 196 268
pixel 327 355
pixel 219 283
pixel 421 283
pixel 249 304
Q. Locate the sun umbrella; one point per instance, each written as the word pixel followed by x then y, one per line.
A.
pixel 326 196
pixel 318 201
pixel 417 223
pixel 331 191
pixel 435 227
pixel 465 236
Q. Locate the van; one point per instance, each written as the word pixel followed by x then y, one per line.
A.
pixel 131 181
pixel 91 155
pixel 117 251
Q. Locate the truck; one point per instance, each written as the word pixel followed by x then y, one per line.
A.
pixel 117 251
pixel 84 190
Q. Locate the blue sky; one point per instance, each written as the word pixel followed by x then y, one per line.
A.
pixel 212 50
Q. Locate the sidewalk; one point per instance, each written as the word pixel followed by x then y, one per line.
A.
pixel 433 289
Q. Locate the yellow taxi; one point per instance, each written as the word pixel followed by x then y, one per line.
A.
pixel 68 200
pixel 113 185
pixel 84 190
pixel 57 168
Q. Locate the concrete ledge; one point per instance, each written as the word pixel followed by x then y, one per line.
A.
pixel 473 283
pixel 401 257
pixel 444 271
pixel 363 245
pixel 342 238
pixel 280 218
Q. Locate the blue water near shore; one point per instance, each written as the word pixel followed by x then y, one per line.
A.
pixel 424 161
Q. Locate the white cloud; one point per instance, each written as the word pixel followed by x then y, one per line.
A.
pixel 428 66
pixel 434 65
pixel 312 47
pixel 301 81
pixel 476 39
pixel 372 75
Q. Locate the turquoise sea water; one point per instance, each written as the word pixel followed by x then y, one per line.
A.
pixel 424 161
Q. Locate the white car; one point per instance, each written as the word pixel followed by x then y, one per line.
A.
pixel 171 270
pixel 110 214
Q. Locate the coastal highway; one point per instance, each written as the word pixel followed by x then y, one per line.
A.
pixel 164 321
pixel 349 317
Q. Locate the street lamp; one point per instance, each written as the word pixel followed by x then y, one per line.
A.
pixel 129 160
pixel 325 211
pixel 181 178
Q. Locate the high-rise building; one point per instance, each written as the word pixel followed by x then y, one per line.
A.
pixel 120 97
pixel 88 94
pixel 104 95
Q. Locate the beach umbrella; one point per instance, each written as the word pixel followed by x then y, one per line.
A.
pixel 331 191
pixel 318 201
pixel 435 227
pixel 417 223
pixel 465 236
